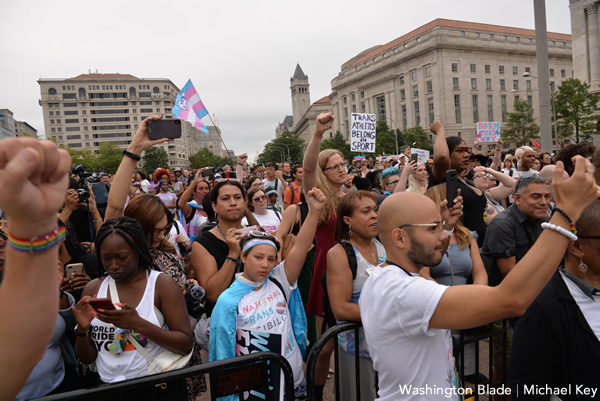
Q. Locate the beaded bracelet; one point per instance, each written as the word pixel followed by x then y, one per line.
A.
pixel 39 243
pixel 561 230
pixel 566 216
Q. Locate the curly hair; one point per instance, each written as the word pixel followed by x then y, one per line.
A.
pixel 566 154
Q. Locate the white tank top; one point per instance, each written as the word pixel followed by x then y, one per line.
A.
pixel 128 363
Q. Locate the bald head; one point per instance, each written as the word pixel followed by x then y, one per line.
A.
pixel 403 208
pixel 547 173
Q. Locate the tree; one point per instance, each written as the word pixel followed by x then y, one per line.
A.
pixel 337 142
pixel 154 158
pixel 577 110
pixel 279 147
pixel 417 135
pixel 385 140
pixel 520 126
pixel 206 158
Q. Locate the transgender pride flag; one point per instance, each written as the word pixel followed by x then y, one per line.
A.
pixel 189 107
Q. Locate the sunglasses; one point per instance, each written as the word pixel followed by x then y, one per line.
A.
pixel 226 179
pixel 260 198
pixel 335 167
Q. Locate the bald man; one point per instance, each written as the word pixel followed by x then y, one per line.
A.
pixel 407 318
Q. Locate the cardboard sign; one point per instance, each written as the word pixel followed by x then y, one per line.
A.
pixel 488 131
pixel 362 133
pixel 422 154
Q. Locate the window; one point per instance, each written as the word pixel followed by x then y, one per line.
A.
pixel 473 83
pixel 530 100
pixel 454 67
pixel 516 84
pixel 552 86
pixel 53 130
pixel 528 69
pixel 69 96
pixel 488 84
pixel 517 98
pixel 71 112
pixel 551 72
pixel 413 75
pixel 490 108
pixel 475 109
pixel 402 94
pixel 353 96
pixel 430 110
pixel 362 94
pixel 503 105
pixel 515 70
pixel 429 86
pixel 345 112
pixel 563 73
pixel 501 69
pixel 528 84
pixel 71 121
pixel 401 79
pixel 473 68
pixel 415 89
pixel 51 113
pixel 457 109
pixel 428 71
pixel 404 122
pixel 488 69
pixel 380 101
pixel 455 85
pixel 58 121
pixel 502 85
pixel 354 108
pixel 345 100
pixel 51 121
pixel 363 108
pixel 417 113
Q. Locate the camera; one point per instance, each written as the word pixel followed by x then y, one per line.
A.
pixel 83 194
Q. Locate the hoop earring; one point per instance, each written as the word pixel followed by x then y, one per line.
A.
pixel 582 266
pixel 349 230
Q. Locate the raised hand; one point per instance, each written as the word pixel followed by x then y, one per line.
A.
pixel 437 127
pixel 34 175
pixel 575 194
pixel 315 199
pixel 140 141
pixel 324 122
pixel 241 159
pixel 450 216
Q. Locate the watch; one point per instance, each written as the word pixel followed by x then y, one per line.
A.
pixel 80 334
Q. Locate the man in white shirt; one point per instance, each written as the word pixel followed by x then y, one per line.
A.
pixel 274 179
pixel 407 318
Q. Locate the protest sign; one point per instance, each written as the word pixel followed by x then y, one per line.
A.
pixel 488 131
pixel 362 133
pixel 422 154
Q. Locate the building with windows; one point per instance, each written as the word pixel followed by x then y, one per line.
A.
pixel 7 124
pixel 22 127
pixel 585 27
pixel 88 110
pixel 197 139
pixel 456 72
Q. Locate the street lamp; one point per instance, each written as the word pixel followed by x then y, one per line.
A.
pixel 281 152
pixel 527 74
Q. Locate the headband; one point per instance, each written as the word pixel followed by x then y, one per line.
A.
pixel 258 241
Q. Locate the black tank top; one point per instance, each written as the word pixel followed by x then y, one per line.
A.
pixel 473 208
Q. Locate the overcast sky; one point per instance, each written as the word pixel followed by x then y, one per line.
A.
pixel 239 54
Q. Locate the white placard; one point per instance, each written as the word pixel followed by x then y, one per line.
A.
pixel 422 154
pixel 362 133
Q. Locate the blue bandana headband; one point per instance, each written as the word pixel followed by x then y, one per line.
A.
pixel 257 241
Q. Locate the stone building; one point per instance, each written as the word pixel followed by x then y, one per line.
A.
pixel 453 71
pixel 22 127
pixel 7 124
pixel 87 110
pixel 585 28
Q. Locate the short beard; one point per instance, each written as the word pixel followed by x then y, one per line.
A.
pixel 420 256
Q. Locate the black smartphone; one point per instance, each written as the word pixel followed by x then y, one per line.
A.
pixel 414 157
pixel 166 128
pixel 451 187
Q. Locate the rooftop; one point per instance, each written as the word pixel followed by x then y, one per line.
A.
pixel 447 23
pixel 101 76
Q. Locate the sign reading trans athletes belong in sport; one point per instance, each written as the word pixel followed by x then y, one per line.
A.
pixel 488 131
pixel 362 133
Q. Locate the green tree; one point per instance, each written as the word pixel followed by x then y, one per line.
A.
pixel 385 140
pixel 520 126
pixel 577 110
pixel 337 142
pixel 154 158
pixel 417 135
pixel 278 147
pixel 206 158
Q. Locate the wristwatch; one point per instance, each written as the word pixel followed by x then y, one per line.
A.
pixel 80 334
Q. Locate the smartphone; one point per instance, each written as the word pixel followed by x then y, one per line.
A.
pixel 72 268
pixel 414 157
pixel 451 186
pixel 245 230
pixel 102 303
pixel 166 128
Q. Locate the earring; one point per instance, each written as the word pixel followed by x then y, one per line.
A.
pixel 582 266
pixel 349 230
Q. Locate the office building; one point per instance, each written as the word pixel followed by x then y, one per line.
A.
pixel 585 27
pixel 22 127
pixel 7 124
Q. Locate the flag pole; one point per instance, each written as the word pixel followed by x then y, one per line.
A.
pixel 219 134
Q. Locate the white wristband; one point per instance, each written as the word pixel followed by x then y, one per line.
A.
pixel 560 230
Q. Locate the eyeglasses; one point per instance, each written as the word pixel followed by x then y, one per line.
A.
pixel 489 176
pixel 335 167
pixel 392 182
pixel 260 198
pixel 439 226
pixel 226 179
pixel 165 230
pixel 463 149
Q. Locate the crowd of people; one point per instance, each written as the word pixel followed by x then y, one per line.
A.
pixel 154 269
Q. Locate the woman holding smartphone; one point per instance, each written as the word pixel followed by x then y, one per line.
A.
pixel 271 287
pixel 268 219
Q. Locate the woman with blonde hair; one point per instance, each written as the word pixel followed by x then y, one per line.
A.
pixel 525 158
pixel 325 170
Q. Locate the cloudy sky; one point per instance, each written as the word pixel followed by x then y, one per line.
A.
pixel 239 54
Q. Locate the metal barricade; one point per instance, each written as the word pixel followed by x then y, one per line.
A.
pixel 318 346
pixel 229 376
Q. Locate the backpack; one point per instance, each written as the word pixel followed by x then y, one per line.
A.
pixel 329 317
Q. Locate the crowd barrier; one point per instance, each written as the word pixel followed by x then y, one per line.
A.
pixel 229 376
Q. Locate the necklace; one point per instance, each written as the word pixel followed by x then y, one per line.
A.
pixel 221 232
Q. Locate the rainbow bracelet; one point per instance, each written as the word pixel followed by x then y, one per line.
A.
pixel 39 243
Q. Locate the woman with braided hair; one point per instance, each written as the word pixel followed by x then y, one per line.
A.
pixel 151 307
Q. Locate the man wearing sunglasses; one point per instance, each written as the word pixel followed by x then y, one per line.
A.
pixel 407 319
